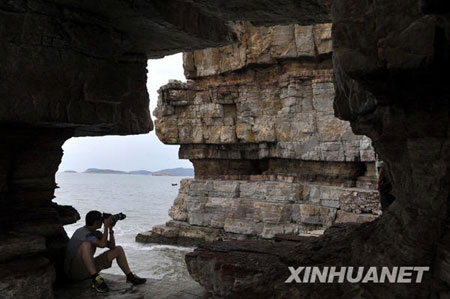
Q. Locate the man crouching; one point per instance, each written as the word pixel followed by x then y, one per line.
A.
pixel 80 262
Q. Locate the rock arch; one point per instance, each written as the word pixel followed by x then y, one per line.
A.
pixel 75 68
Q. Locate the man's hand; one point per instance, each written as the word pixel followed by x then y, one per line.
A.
pixel 108 222
pixel 103 242
pixel 112 240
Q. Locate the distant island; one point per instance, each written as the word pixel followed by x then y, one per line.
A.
pixel 164 172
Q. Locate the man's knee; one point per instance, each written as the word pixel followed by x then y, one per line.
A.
pixel 115 252
pixel 118 250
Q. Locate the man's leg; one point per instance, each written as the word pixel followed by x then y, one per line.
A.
pixel 119 254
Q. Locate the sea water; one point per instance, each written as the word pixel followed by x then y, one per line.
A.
pixel 145 200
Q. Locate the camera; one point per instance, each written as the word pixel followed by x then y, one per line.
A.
pixel 115 217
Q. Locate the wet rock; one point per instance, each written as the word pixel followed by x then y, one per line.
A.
pixel 181 234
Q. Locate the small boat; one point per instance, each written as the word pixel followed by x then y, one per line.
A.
pixel 174 184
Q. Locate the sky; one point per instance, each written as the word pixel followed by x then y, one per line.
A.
pixel 130 152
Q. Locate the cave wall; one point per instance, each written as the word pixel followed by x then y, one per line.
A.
pixel 31 225
pixel 256 119
pixel 82 69
pixel 78 68
pixel 391 62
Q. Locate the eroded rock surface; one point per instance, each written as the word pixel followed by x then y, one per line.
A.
pixel 390 87
pixel 82 66
pixel 31 225
pixel 78 68
pixel 269 155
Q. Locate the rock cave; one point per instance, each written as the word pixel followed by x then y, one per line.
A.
pixel 286 104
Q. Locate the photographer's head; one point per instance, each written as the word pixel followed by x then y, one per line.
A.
pixel 94 219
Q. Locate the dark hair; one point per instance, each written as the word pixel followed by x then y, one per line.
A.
pixel 92 216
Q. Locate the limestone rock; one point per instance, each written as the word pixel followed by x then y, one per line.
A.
pixel 345 217
pixel 237 209
pixel 78 67
pixel 391 64
pixel 69 64
pixel 181 233
pixel 270 157
pixel 294 118
pixel 260 45
pixel 285 107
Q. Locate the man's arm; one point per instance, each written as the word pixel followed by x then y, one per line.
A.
pixel 104 240
pixel 112 241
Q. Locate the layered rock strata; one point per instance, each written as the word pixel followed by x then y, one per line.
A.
pixel 391 62
pixel 391 67
pixel 256 120
pixel 78 68
pixel 31 225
